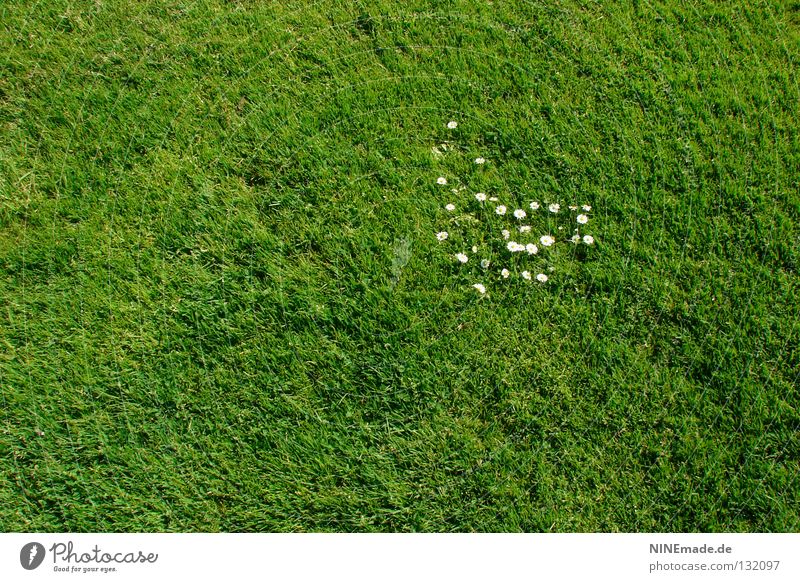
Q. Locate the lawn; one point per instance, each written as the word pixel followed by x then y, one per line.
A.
pixel 225 308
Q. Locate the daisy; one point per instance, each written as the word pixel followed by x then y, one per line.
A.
pixel 519 214
pixel 485 263
pixel 554 208
pixel 442 235
pixel 525 228
pixel 479 161
pixel 541 277
pixel 452 124
pixel 505 273
pixel 474 249
pixel 588 239
pixel 583 219
pixel 441 180
pixel 573 207
pixel 501 210
pixel 450 207
pixel 480 197
pixel 547 240
pixel 515 247
pixel 576 238
pixel 462 258
pixel 531 248
pixel 534 206
pixel 586 207
pixel 526 275
pixel 481 289
pixel 506 234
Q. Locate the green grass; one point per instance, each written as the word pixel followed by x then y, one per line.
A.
pixel 223 306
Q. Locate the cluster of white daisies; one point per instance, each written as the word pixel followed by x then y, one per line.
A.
pixel 518 243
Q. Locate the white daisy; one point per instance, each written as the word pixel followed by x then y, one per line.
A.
pixel 534 206
pixel 525 228
pixel 554 208
pixel 441 180
pixel 547 240
pixel 526 275
pixel 479 161
pixel 452 124
pixel 586 207
pixel 480 197
pixel 501 210
pixel 442 235
pixel 462 258
pixel 485 263
pixel 505 273
pixel 576 238
pixel 450 207
pixel 481 289
pixel 588 239
pixel 506 234
pixel 583 219
pixel 573 207
pixel 519 214
pixel 515 247
pixel 474 249
pixel 531 248
pixel 541 277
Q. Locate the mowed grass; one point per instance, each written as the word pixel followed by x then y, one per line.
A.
pixel 224 307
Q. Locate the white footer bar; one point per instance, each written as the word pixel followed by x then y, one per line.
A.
pixel 388 557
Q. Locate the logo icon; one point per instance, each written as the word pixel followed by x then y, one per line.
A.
pixel 31 555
